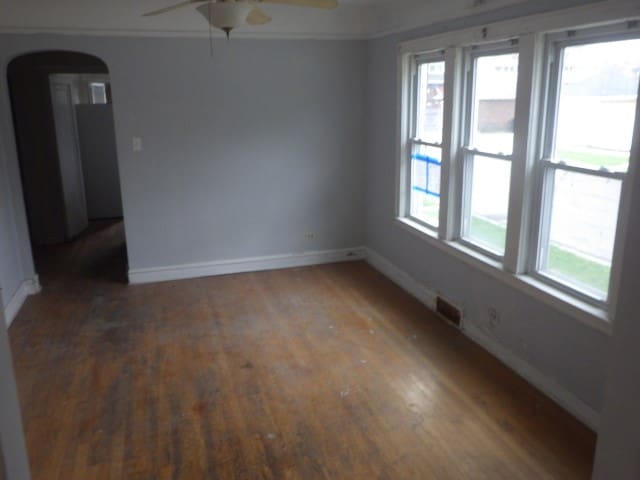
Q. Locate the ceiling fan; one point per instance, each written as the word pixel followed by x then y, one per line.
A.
pixel 229 14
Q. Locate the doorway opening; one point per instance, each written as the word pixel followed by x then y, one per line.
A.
pixel 64 126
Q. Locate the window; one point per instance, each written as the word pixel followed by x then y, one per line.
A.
pixel 425 142
pixel 591 111
pixel 491 97
pixel 514 148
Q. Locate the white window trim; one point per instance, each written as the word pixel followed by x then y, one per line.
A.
pixel 545 166
pixel 592 316
pixel 601 13
pixel 448 225
pixel 530 31
pixel 412 140
pixel 467 150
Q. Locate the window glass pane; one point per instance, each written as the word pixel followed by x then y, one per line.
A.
pixel 596 111
pixel 582 226
pixel 486 222
pixel 430 102
pixel 425 184
pixel 494 103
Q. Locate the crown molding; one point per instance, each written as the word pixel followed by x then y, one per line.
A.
pixel 250 35
pixel 354 21
pixel 377 22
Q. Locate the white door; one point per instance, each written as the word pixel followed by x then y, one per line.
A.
pixel 69 156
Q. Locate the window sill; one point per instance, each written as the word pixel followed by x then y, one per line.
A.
pixel 593 317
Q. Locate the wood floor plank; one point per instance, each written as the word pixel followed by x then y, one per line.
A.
pixel 323 372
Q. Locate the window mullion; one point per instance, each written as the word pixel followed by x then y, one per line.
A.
pixel 524 151
pixel 624 212
pixel 465 159
pixel 405 127
pixel 449 204
pixel 539 223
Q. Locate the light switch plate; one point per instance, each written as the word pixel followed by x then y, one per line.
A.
pixel 137 144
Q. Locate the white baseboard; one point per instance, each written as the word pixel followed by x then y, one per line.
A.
pixel 546 385
pixel 28 287
pixel 254 264
pixel 401 278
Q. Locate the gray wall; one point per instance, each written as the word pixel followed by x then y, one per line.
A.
pixel 244 151
pixel 2 467
pixel 562 348
pixel 99 160
pixel 16 264
pixel 12 444
pixel 618 452
pixel 10 268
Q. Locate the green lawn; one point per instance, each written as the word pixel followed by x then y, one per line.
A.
pixel 430 210
pixel 576 267
pixel 563 262
pixel 492 235
pixel 593 159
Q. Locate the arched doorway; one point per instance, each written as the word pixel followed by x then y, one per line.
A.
pixel 64 127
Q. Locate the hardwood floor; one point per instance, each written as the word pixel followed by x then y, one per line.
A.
pixel 321 372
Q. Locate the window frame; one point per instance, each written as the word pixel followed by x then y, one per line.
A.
pixel 546 168
pixel 412 140
pixel 468 151
pixel 534 33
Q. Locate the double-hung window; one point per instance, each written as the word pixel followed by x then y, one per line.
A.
pixel 492 77
pixel 425 142
pixel 531 168
pixel 591 105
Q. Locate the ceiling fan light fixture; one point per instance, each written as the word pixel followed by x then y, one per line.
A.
pixel 226 15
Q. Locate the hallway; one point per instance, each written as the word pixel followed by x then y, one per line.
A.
pixel 321 372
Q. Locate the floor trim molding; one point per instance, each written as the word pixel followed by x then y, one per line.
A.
pixel 28 287
pixel 401 278
pixel 253 264
pixel 542 382
pixel 546 385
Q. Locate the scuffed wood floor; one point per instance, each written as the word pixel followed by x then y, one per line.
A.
pixel 322 372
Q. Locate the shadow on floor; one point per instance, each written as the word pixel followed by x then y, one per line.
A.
pixel 99 254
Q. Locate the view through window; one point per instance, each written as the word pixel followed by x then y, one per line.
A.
pixel 426 155
pixel 592 133
pixel 576 125
pixel 488 154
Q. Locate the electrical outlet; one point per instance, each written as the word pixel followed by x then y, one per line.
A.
pixel 309 236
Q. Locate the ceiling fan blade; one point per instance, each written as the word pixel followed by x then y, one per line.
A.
pixel 257 17
pixel 328 4
pixel 173 7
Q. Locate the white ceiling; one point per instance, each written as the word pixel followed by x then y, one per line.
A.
pixel 352 19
